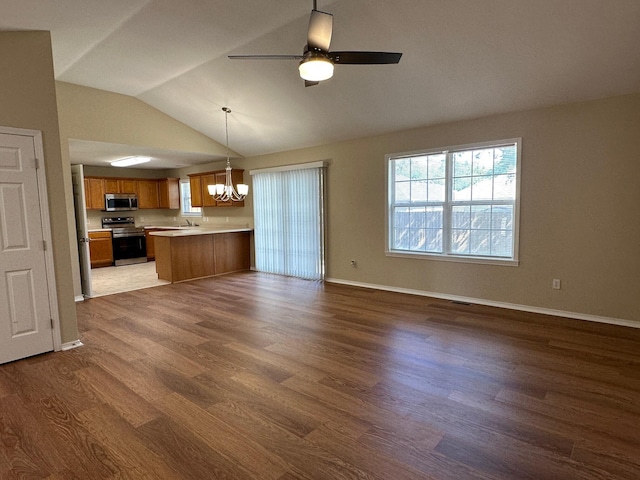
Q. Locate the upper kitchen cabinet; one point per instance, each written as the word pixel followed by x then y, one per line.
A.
pixel 148 194
pixel 94 190
pixel 207 200
pixel 195 184
pixel 152 193
pixel 169 193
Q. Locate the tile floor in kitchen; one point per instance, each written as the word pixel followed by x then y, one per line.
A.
pixel 110 280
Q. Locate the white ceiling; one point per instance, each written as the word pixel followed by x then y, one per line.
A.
pixel 461 59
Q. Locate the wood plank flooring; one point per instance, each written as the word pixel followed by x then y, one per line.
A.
pixel 254 376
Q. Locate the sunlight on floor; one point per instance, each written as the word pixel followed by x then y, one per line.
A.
pixel 110 280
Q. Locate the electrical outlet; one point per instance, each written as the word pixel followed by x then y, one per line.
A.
pixel 555 284
pixel 142 219
pixel 354 264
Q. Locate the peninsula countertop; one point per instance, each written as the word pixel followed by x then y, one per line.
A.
pixel 191 231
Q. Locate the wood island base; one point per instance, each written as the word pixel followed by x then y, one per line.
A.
pixel 187 257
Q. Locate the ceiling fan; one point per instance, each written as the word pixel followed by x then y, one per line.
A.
pixel 316 61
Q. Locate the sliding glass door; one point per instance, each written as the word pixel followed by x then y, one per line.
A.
pixel 288 208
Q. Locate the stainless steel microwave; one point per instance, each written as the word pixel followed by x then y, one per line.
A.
pixel 120 202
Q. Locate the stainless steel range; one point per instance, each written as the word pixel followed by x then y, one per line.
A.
pixel 128 241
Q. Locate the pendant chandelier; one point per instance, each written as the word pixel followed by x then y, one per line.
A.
pixel 227 192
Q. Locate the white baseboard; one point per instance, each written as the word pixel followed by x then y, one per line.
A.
pixel 79 298
pixel 512 306
pixel 71 345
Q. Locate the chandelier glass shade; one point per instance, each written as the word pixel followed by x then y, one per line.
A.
pixel 226 192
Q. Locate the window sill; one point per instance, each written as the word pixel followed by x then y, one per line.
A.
pixel 507 262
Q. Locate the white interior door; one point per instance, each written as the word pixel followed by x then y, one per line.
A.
pixel 26 325
pixel 77 178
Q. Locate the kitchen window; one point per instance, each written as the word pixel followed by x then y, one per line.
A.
pixel 185 204
pixel 456 203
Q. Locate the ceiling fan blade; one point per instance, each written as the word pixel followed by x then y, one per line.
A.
pixel 320 30
pixel 265 57
pixel 308 83
pixel 364 58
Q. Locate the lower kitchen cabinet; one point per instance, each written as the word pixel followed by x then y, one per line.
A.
pixel 100 249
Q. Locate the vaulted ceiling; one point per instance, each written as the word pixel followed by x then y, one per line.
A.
pixel 461 59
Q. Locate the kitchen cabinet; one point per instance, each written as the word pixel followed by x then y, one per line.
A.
pixel 127 185
pixel 94 193
pixel 100 249
pixel 207 200
pixel 150 240
pixel 148 194
pixel 195 184
pixel 184 255
pixel 152 193
pixel 200 182
pixel 169 193
pixel 111 185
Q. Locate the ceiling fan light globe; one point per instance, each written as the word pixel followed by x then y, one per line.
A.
pixel 316 69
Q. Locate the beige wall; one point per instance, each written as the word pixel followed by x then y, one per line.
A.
pixel 28 100
pixel 579 213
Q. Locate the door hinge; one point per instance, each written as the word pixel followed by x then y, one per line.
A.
pixel 44 245
pixel 51 323
pixel 37 162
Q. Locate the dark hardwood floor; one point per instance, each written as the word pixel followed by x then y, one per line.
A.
pixel 253 376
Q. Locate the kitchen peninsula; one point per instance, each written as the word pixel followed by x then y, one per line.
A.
pixel 201 252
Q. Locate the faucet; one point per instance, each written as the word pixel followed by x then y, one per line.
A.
pixel 189 224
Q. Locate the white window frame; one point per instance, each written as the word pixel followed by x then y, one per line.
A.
pixel 183 204
pixel 447 255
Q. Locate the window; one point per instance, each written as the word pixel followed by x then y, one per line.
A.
pixel 457 203
pixel 288 211
pixel 185 204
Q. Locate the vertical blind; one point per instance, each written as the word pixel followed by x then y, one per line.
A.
pixel 289 221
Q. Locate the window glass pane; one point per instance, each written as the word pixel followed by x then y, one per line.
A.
pixel 418 240
pixel 502 217
pixel 505 160
pixel 502 244
pixel 479 242
pixel 401 239
pixel 460 241
pixel 401 217
pixel 434 217
pixel 437 166
pixel 461 217
pixel 418 217
pixel 434 240
pixel 482 188
pixel 185 197
pixel 402 169
pixel 481 217
pixel 461 189
pixel 462 163
pixel 483 161
pixel 419 191
pixel 504 187
pixel 403 192
pixel 419 168
pixel 436 190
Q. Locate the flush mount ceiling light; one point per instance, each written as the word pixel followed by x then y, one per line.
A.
pixel 226 192
pixel 129 161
